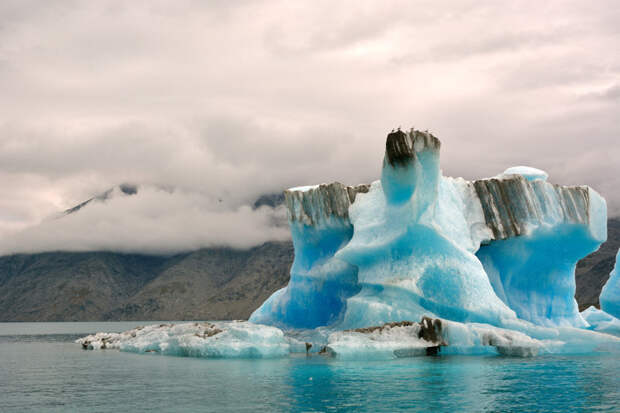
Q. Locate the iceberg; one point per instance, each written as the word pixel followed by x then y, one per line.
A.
pixel 416 243
pixel 610 295
pixel 205 340
pixel 417 263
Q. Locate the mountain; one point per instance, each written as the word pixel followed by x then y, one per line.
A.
pixel 124 189
pixel 593 271
pixel 208 284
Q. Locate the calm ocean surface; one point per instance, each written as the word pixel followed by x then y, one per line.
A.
pixel 42 370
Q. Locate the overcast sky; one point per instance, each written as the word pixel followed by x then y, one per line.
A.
pixel 226 100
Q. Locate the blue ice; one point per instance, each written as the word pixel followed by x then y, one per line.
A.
pixel 418 243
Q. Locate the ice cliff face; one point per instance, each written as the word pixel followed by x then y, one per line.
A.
pixel 417 243
pixel 540 231
pixel 320 283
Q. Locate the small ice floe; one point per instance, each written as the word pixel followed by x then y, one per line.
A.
pixel 237 339
pixel 391 340
pixel 429 337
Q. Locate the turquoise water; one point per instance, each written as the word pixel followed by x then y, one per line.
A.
pixel 41 370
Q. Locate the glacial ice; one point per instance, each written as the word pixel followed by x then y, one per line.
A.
pixel 419 263
pixel 207 340
pixel 454 338
pixel 610 296
pixel 397 340
pixel 601 321
pixel 416 243
pixel 529 173
pixel 320 282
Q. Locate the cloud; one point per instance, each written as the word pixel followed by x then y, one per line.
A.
pixel 611 93
pixel 153 221
pixel 230 100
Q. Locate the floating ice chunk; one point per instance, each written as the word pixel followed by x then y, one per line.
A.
pixel 383 344
pixel 601 321
pixel 410 339
pixel 102 341
pixel 209 340
pixel 610 296
pixel 429 337
pixel 529 173
pixel 391 340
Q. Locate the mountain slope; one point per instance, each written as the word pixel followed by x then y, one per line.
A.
pixel 593 271
pixel 211 284
pixel 217 283
pixel 70 286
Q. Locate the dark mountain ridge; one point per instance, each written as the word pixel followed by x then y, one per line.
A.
pixel 592 272
pixel 213 283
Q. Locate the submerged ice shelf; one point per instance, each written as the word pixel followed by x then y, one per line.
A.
pixel 490 261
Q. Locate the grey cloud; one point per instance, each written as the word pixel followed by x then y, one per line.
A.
pixel 152 221
pixel 500 41
pixel 552 71
pixel 611 93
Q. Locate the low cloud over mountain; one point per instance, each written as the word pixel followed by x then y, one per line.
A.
pixel 150 220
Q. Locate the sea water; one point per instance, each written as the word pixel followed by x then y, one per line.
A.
pixel 42 370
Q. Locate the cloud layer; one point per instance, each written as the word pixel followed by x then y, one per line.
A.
pixel 153 221
pixel 229 100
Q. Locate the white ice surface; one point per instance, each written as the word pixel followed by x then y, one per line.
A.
pixel 303 188
pixel 529 173
pixel 209 340
pixel 524 340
